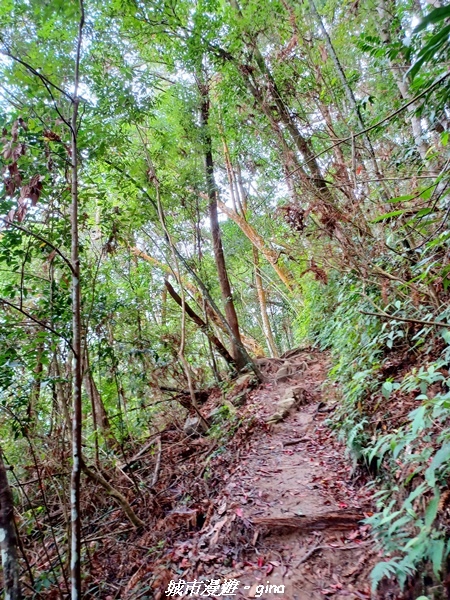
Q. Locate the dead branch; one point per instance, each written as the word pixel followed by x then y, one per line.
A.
pixel 97 478
pixel 394 318
pixel 297 441
pixel 158 462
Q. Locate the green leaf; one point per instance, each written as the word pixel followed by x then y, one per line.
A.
pixel 419 419
pixel 398 524
pixel 439 459
pixel 382 569
pixel 436 554
pixel 390 215
pixel 431 510
pixel 435 16
pixel 424 211
pixel 436 43
pixel 420 489
pixel 386 389
pixel 405 198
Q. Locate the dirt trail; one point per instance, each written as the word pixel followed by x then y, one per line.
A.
pixel 311 478
pixel 277 503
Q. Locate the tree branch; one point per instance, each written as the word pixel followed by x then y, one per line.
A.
pixel 40 238
pixel 377 124
pixel 3 301
pixel 393 318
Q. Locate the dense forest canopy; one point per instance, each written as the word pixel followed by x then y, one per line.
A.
pixel 189 187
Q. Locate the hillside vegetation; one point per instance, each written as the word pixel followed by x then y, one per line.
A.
pixel 191 189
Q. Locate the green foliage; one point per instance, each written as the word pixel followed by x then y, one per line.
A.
pixel 301 157
pixel 413 460
pixel 437 46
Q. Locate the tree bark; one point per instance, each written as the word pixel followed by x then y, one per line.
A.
pixel 36 388
pixel 202 325
pixel 8 538
pixel 385 13
pixel 230 311
pixel 202 287
pixel 248 342
pixel 263 307
pixel 318 183
pixel 100 415
pixel 75 555
pixel 258 242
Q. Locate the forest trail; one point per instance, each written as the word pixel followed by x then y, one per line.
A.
pixel 288 513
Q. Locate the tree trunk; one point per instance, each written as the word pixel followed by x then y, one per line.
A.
pixel 164 307
pixel 8 538
pixel 263 307
pixel 100 415
pixel 75 555
pixel 258 242
pixel 201 297
pixel 36 389
pixel 202 326
pixel 224 282
pixel 386 15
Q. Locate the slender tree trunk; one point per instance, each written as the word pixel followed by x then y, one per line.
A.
pixel 348 90
pixel 263 306
pixel 181 350
pixel 75 556
pixel 36 389
pixel 202 296
pixel 164 306
pixel 202 325
pixel 204 290
pixel 224 281
pixel 100 415
pixel 8 538
pixel 385 12
pixel 230 174
pixel 258 242
pixel 62 393
pixel 303 146
pixel 241 221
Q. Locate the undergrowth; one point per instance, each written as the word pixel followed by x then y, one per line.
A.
pixel 394 417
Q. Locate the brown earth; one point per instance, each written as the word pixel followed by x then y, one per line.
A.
pixel 288 513
pixel 276 504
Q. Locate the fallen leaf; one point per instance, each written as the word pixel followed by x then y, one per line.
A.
pixel 222 508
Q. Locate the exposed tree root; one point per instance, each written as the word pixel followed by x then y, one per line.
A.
pixel 336 521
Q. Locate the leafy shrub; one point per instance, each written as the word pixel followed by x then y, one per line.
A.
pixel 413 458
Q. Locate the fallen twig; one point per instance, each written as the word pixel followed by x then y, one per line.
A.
pixel 320 547
pixel 158 462
pixel 297 441
pixel 309 554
